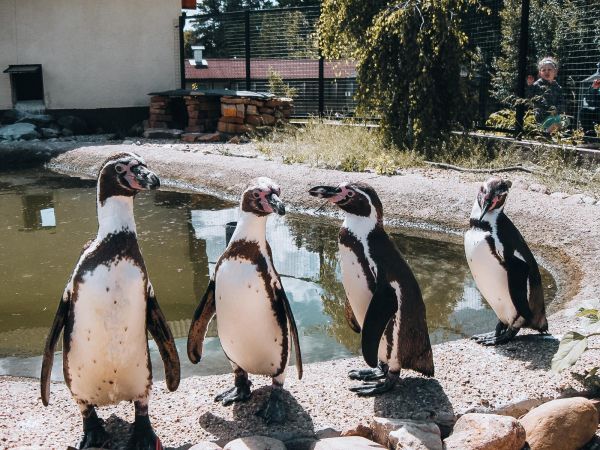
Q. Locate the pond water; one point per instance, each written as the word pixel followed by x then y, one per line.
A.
pixel 45 219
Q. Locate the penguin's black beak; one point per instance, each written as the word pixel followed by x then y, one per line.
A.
pixel 324 191
pixel 276 204
pixel 485 208
pixel 146 178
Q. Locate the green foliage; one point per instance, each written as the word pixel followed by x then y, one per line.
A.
pixel 409 58
pixel 573 344
pixel 278 87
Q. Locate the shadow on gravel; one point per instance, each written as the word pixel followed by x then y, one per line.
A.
pixel 245 422
pixel 417 399
pixel 536 350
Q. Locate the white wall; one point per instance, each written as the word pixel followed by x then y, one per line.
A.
pixel 94 53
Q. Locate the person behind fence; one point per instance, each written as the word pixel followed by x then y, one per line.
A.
pixel 590 109
pixel 547 96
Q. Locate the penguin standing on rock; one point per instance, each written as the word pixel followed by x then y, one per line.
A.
pixel 503 267
pixel 106 310
pixel 255 322
pixel 383 298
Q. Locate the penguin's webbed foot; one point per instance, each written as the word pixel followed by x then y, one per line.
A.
pixel 95 437
pixel 376 388
pixel 235 394
pixel 367 374
pixel 273 411
pixel 495 337
pixel 143 437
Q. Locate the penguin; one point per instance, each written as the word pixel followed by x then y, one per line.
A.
pixel 106 310
pixel 505 271
pixel 255 322
pixel 383 298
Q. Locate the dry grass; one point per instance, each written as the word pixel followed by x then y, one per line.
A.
pixel 358 148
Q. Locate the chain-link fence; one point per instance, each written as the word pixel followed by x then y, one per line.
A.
pixel 270 50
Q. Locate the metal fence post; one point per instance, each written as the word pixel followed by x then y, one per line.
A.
pixel 247 21
pixel 182 18
pixel 321 85
pixel 522 65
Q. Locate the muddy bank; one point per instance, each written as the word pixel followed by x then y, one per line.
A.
pixel 468 377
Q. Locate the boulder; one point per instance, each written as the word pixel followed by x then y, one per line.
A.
pixel 477 431
pixel 39 120
pixel 49 133
pixel 73 123
pixel 406 434
pixel 255 443
pixel 537 187
pixel 11 116
pixel 347 443
pixel 18 131
pixel 564 424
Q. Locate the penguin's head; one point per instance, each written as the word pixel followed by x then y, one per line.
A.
pixel 261 198
pixel 492 195
pixel 358 199
pixel 125 174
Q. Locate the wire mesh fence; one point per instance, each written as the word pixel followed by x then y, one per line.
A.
pixel 277 50
pixel 272 50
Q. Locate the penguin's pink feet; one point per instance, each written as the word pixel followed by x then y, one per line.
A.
pixel 376 388
pixel 273 411
pixel 143 437
pixel 94 435
pixel 377 373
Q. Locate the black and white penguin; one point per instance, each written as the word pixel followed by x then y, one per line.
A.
pixel 255 322
pixel 383 298
pixel 106 310
pixel 503 267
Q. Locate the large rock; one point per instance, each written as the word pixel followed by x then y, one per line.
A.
pixel 347 443
pixel 73 123
pixel 18 131
pixel 255 443
pixel 486 432
pixel 205 445
pixel 162 133
pixel 406 434
pixel 39 120
pixel 565 424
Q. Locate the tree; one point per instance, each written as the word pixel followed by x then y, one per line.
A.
pixel 409 58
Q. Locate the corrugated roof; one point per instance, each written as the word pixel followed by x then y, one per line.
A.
pixel 288 69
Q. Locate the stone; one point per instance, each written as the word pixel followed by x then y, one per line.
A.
pixel 519 409
pixel 359 430
pixel 564 424
pixel 18 131
pixel 251 110
pixel 205 445
pixel 73 123
pixel 228 110
pixel 347 443
pixel 49 133
pixel 589 200
pixel 255 443
pixel 265 110
pixel 237 120
pixel 39 120
pixel 11 116
pixel 162 133
pixel 300 444
pixel 255 120
pixel 574 199
pixel 406 433
pixel 475 431
pixel 537 187
pixel 201 137
pixel 233 100
pixel 195 129
pixel 560 195
pixel 328 432
pixel 240 110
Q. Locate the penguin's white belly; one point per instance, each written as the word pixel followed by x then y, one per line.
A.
pixel 358 293
pixel 355 284
pixel 108 358
pixel 490 276
pixel 248 329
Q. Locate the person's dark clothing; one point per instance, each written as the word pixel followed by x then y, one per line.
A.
pixel 590 111
pixel 547 98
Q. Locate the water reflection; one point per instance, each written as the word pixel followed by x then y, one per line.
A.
pixel 45 220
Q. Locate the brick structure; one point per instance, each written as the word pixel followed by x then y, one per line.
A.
pixel 212 116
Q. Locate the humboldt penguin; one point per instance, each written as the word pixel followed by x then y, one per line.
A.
pixel 106 310
pixel 504 269
pixel 383 298
pixel 255 322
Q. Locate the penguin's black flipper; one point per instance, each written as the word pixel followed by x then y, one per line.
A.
pixel 280 294
pixel 159 328
pixel 382 308
pixel 350 317
pixel 202 316
pixel 60 319
pixel 518 272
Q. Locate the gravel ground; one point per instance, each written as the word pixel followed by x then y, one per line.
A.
pixel 468 377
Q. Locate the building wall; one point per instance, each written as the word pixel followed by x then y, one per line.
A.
pixel 94 54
